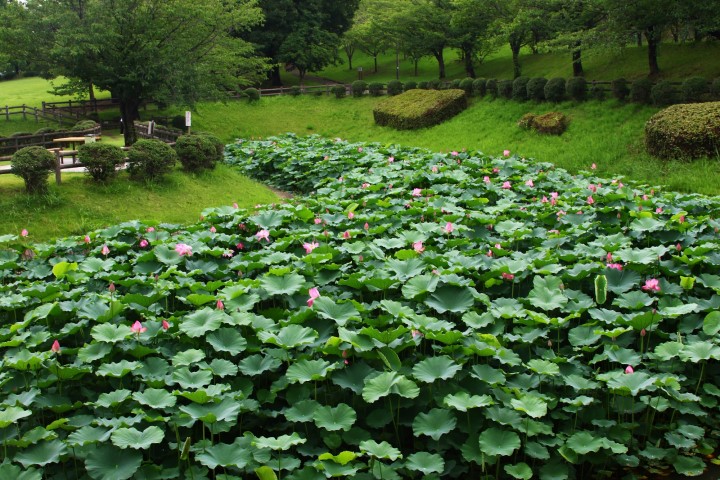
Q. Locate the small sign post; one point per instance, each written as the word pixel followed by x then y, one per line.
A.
pixel 188 120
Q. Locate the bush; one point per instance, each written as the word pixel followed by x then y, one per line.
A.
pixel 295 90
pixel 695 89
pixel 686 131
pixel 196 152
pixel 479 87
pixel 358 88
pixel 715 89
pixel 419 108
pixel 466 84
pixel 410 85
pixel 150 159
pixel 218 144
pixel 619 89
pixel 339 91
pixel 492 87
pixel 434 84
pixel 253 94
pixel 375 89
pixel 44 130
pixel 640 91
pixel 424 85
pixel 555 90
pixel 505 89
pixel 596 92
pixel 551 123
pixel 455 83
pixel 526 121
pixel 536 89
pixel 576 88
pixel 663 94
pixel 519 89
pixel 84 125
pixel 394 87
pixel 101 160
pixel 33 164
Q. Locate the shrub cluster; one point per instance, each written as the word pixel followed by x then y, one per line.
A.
pixel 492 87
pixel 576 88
pixel 479 87
pixel 33 164
pixel 685 131
pixel 339 91
pixel 375 89
pixel 620 89
pixel 505 89
pixel 466 84
pixel 101 160
pixel 695 89
pixel 411 85
pixel 295 90
pixel 555 90
pixel 150 159
pixel 358 88
pixel 419 108
pixel 519 89
pixel 663 93
pixel 536 89
pixel 252 94
pixel 196 152
pixel 394 87
pixel 84 125
pixel 551 123
pixel 640 91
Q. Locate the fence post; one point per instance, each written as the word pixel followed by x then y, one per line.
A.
pixel 58 163
pixel 7 113
pixel 24 107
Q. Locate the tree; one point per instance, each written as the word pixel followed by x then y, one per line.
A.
pixel 173 51
pixel 429 22
pixel 470 23
pixel 513 23
pixel 292 27
pixel 16 42
pixel 575 23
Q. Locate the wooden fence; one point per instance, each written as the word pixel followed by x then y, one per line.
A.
pixel 36 114
pixel 160 133
pixel 11 145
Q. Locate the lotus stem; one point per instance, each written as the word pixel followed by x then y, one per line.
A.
pixel 702 373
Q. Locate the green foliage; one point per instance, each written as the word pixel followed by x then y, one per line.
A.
pixel 685 131
pixel 410 85
pixel 695 89
pixel 150 159
pixel 715 89
pixel 596 91
pixel 101 160
pixel 619 88
pixel 536 89
pixel 358 88
pixel 395 87
pixel 663 94
pixel 375 89
pixel 466 84
pixel 423 85
pixel 218 144
pixel 196 152
pixel 33 164
pixel 252 94
pixel 83 125
pixel 434 84
pixel 454 83
pixel 551 123
pixel 44 130
pixel 519 89
pixel 640 91
pixel 479 87
pixel 419 108
pixel 178 121
pixel 295 90
pixel 505 89
pixel 526 121
pixel 339 91
pixel 555 90
pixel 576 88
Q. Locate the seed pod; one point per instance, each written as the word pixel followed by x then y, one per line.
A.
pixel 600 289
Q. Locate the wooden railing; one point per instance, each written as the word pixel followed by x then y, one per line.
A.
pixel 10 145
pixel 36 114
pixel 160 133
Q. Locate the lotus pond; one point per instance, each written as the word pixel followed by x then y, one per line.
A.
pixel 409 315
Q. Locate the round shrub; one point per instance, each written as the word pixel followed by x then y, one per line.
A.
pixel 101 160
pixel 695 89
pixel 576 88
pixel 479 87
pixel 84 125
pixel 467 85
pixel 394 87
pixel 455 83
pixel 150 159
pixel 218 144
pixel 253 94
pixel 33 164
pixel 375 89
pixel 551 123
pixel 526 121
pixel 410 85
pixel 434 84
pixel 339 91
pixel 505 89
pixel 596 92
pixel 295 90
pixel 663 94
pixel 536 89
pixel 519 89
pixel 640 91
pixel 423 85
pixel 715 89
pixel 686 131
pixel 44 130
pixel 619 89
pixel 555 90
pixel 358 88
pixel 491 87
pixel 196 152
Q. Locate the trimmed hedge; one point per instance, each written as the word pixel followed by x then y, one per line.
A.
pixel 576 88
pixel 505 89
pixel 358 88
pixel 419 108
pixel 519 89
pixel 596 92
pixel 555 90
pixel 640 91
pixel 663 94
pixel 253 94
pixel 686 131
pixel 339 91
pixel 101 160
pixel 551 123
pixel 466 84
pixel 619 89
pixel 492 87
pixel 479 87
pixel 536 89
pixel 411 85
pixel 150 159
pixel 375 89
pixel 84 125
pixel 695 89
pixel 196 152
pixel 33 164
pixel 394 87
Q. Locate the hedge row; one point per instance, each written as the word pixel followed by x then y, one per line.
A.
pixel 419 108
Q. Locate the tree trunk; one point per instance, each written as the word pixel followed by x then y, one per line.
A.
pixel 350 51
pixel 469 67
pixel 375 57
pixel 274 76
pixel 652 51
pixel 577 62
pixel 91 92
pixel 438 54
pixel 515 48
pixel 129 113
pixel 416 66
pixel 639 39
pixel 350 62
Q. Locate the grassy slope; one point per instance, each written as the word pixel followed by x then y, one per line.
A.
pixel 606 133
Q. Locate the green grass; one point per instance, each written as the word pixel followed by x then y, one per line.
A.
pixel 608 133
pixel 33 91
pixel 78 205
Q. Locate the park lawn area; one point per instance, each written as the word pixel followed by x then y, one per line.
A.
pixel 608 134
pixel 78 205
pixel 32 91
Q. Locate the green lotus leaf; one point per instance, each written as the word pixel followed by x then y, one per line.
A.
pixel 387 383
pixel 117 369
pixel 302 411
pixel 497 442
pixel 258 364
pixel 380 450
pixel 107 332
pixel 463 401
pixel 191 380
pixel 699 351
pixel 547 294
pixel 283 442
pixel 10 415
pixel 110 463
pixel 341 417
pixel 340 313
pixel 290 336
pixel 451 299
pixel 94 351
pixel 520 470
pixel 188 357
pixel 435 368
pixel 227 340
pixel 668 350
pixel 42 453
pixel 155 398
pixel 10 471
pixel 711 323
pixel 543 367
pixel 435 423
pixel 689 466
pixel 631 383
pixel 285 285
pixel 112 399
pixel 425 463
pixel 533 406
pixel 419 285
pixel 223 368
pixel 88 435
pixel 136 439
pixel 342 458
pixel 224 455
pixel 488 374
pixel 200 322
pixel 634 300
pixel 224 411
pixel 308 370
pixel 61 269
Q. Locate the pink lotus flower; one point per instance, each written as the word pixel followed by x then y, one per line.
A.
pixel 228 254
pixel 137 328
pixel 263 235
pixel 496 170
pixel 213 229
pixel 652 284
pixel 506 153
pixel 416 333
pixel 391 159
pixel 417 192
pixel 317 221
pixel 593 166
pixel 309 247
pixel 615 266
pixel 340 179
pixel 346 235
pixel 449 227
pixel 418 247
pixel 150 229
pixel 55 347
pixel 165 325
pixel 434 169
pixel 530 183
pixel 592 188
pixel 609 257
pixel 235 205
pixel 359 149
pixel 658 210
pixel 240 246
pixel 486 179
pixel 506 185
pixel 105 250
pixel 629 369
pixel 351 215
pixel 111 287
pixel 366 226
pixel 643 332
pixel 24 233
pixel 314 293
pixel 365 185
pixel 86 239
pixel 544 199
pixel 143 243
pixel 678 247
pixel 220 305
pixel 681 219
pixel 508 276
pixel 590 200
pixel 183 250
pixel 454 153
